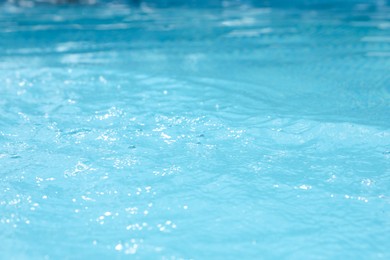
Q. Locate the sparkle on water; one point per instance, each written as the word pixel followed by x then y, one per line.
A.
pixel 224 129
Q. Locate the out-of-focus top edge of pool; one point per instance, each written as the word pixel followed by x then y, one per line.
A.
pixel 208 3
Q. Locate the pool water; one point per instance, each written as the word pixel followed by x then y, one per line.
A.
pixel 205 130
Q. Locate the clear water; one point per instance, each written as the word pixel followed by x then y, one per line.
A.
pixel 203 130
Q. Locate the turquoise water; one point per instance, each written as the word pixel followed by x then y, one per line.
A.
pixel 217 130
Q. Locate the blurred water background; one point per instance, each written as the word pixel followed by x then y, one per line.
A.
pixel 195 129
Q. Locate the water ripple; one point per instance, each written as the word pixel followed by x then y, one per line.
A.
pixel 179 132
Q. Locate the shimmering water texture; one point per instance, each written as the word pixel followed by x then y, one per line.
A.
pixel 157 131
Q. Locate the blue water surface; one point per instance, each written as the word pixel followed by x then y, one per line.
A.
pixel 195 130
